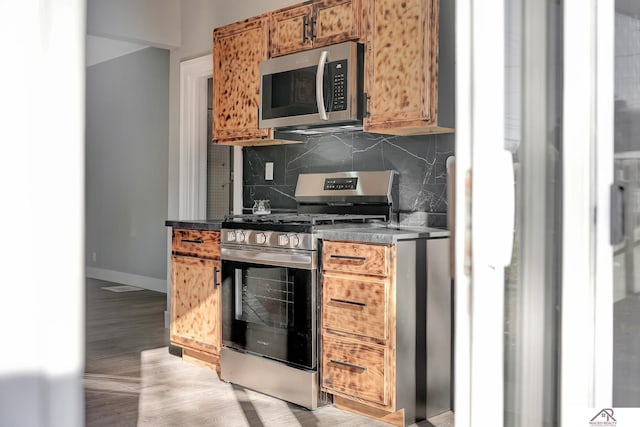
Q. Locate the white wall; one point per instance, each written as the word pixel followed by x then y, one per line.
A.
pixel 101 49
pixel 149 22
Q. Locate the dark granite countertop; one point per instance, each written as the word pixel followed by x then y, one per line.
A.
pixel 196 224
pixel 385 234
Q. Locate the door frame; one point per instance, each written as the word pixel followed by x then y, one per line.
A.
pixel 479 274
pixel 586 361
pixel 192 187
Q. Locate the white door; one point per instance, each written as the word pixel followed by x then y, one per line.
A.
pixel 547 333
pixel 600 365
pixel 509 152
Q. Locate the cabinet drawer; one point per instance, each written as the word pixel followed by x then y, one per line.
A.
pixel 196 243
pixel 354 369
pixel 356 258
pixel 355 306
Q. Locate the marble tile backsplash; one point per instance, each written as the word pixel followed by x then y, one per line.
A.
pixel 420 160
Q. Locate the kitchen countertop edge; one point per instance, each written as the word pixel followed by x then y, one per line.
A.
pixel 382 235
pixel 386 235
pixel 203 224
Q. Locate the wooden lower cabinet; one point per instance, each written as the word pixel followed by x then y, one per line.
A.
pixel 356 305
pixel 195 298
pixel 359 329
pixel 355 369
pixel 386 328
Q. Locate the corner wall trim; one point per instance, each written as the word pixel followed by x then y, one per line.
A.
pixel 149 283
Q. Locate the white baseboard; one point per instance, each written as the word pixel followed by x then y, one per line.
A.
pixel 150 283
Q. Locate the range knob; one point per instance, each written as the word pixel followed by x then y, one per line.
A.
pixel 261 238
pixel 283 240
pixel 294 240
pixel 239 236
pixel 231 236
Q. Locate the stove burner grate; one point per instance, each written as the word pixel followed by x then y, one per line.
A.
pixel 311 219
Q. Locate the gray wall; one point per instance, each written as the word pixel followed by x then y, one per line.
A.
pixel 127 137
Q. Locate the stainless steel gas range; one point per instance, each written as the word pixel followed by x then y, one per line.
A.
pixel 270 289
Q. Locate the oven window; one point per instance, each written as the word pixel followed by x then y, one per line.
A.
pixel 267 297
pixel 270 311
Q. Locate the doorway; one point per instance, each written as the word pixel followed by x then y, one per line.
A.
pixel 219 168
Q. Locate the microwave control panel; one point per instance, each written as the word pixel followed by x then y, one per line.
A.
pixel 339 75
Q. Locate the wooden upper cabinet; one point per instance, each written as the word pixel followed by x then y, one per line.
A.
pixel 401 67
pixel 237 51
pixel 291 30
pixel 315 24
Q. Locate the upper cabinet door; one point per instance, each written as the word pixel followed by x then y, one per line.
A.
pixel 336 21
pixel 291 30
pixel 237 51
pixel 401 67
pixel 316 24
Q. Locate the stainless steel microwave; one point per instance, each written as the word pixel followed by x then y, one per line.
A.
pixel 311 89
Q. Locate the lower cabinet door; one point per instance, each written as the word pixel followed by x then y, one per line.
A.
pixel 354 368
pixel 355 305
pixel 195 303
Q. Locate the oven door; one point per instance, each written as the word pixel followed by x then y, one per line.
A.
pixel 269 304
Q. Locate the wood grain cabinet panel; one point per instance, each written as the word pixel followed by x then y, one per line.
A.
pixel 401 67
pixel 337 21
pixel 314 24
pixel 355 368
pixel 195 303
pixel 355 305
pixel 196 243
pixel 359 326
pixel 237 51
pixel 290 30
pixel 196 317
pixel 355 258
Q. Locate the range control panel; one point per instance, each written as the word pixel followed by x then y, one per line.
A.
pixel 341 183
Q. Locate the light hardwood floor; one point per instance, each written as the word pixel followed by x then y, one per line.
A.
pixel 132 380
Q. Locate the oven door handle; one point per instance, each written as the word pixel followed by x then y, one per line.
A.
pixel 293 259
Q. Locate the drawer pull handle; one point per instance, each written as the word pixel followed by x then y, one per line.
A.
pixel 344 301
pixel 305 23
pixel 350 258
pixel 193 241
pixel 348 365
pixel 215 277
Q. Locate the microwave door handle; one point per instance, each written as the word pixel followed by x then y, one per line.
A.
pixel 319 86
